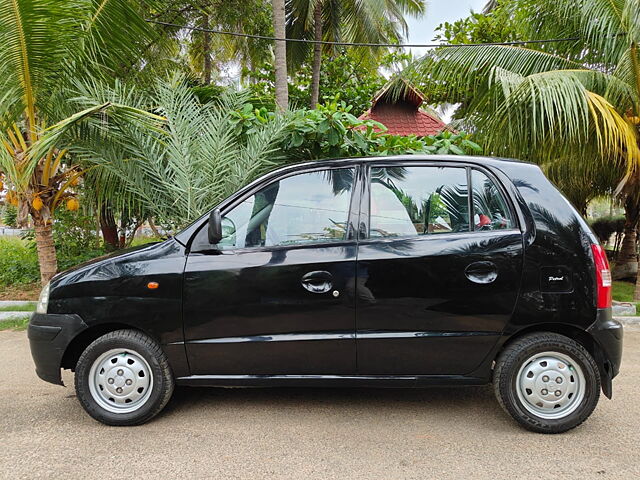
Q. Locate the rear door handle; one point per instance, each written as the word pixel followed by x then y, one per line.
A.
pixel 317 282
pixel 481 272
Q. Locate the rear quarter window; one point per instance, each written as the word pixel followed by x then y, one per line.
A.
pixel 490 209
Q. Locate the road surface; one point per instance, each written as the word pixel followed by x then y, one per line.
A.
pixel 438 433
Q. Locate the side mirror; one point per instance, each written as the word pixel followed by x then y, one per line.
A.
pixel 215 227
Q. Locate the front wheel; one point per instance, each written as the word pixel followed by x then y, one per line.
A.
pixel 547 382
pixel 123 378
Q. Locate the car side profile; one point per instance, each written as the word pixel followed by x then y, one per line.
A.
pixel 404 271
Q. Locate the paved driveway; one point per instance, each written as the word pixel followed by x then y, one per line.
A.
pixel 440 433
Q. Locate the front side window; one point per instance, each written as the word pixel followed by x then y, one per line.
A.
pixel 408 201
pixel 306 208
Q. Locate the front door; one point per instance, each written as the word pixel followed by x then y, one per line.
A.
pixel 270 298
pixel 438 272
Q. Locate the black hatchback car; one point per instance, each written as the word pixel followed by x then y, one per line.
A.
pixel 380 272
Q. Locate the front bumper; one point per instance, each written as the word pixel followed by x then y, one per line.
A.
pixel 49 336
pixel 608 334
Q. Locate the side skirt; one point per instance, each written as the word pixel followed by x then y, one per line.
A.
pixel 374 381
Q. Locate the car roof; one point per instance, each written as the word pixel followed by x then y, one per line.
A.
pixel 335 162
pixel 420 157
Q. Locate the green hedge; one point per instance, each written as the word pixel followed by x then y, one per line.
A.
pixel 18 262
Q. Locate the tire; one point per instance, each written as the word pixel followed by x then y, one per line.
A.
pixel 525 381
pixel 123 378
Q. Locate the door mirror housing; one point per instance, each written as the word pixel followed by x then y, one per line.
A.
pixel 215 227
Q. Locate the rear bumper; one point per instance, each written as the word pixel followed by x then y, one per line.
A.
pixel 49 335
pixel 608 334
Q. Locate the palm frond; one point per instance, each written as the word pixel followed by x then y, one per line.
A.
pixel 631 19
pixel 34 36
pixel 106 42
pixel 616 137
pixel 474 60
pixel 600 25
pixel 472 66
pixel 177 174
pixel 553 114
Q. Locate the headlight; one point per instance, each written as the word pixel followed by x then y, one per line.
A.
pixel 43 301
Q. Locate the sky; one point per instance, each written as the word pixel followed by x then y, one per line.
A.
pixel 423 30
pixel 439 11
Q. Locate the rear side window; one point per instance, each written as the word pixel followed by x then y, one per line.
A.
pixel 490 211
pixel 425 200
pixel 408 201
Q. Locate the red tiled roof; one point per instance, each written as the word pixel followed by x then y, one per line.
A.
pixel 407 93
pixel 403 119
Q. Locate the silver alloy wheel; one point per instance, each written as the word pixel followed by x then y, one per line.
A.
pixel 550 385
pixel 120 380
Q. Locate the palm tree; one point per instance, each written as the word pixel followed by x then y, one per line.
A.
pixel 201 52
pixel 379 21
pixel 572 103
pixel 280 53
pixel 178 172
pixel 47 47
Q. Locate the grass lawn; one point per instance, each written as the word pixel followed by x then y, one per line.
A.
pixel 31 307
pixel 20 323
pixel 623 292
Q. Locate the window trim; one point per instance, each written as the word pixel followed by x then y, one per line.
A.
pixel 351 213
pixel 365 217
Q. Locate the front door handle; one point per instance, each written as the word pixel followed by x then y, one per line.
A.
pixel 481 272
pixel 317 282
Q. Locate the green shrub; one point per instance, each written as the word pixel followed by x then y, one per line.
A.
pixel 604 227
pixel 332 131
pixel 18 262
pixel 10 216
pixel 75 238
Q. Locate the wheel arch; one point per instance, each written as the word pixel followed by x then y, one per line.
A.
pixel 580 335
pixel 81 341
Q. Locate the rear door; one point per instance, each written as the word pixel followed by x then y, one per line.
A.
pixel 438 269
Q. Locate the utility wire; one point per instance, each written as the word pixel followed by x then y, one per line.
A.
pixel 351 44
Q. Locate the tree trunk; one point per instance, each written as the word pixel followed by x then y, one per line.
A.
pixel 206 50
pixel 627 260
pixel 109 228
pixel 46 250
pixel 317 55
pixel 131 237
pixel 153 227
pixel 280 51
pixel 610 205
pixel 636 293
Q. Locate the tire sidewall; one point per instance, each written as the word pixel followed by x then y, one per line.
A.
pixel 509 386
pixel 91 354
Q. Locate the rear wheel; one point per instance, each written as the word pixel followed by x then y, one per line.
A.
pixel 547 382
pixel 123 378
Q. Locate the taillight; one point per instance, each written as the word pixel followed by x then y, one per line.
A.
pixel 603 276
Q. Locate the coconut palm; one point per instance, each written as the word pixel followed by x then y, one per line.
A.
pixel 203 53
pixel 280 54
pixel 573 107
pixel 378 21
pixel 47 45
